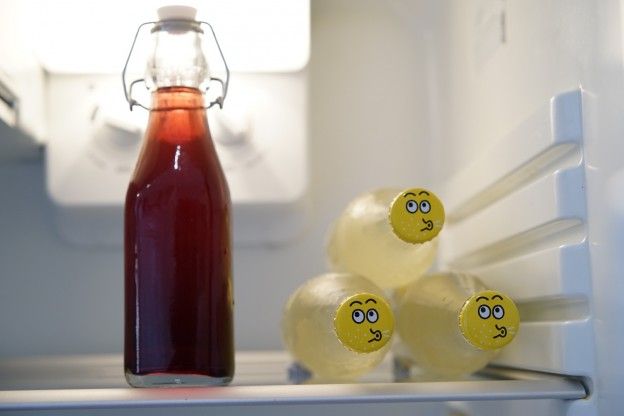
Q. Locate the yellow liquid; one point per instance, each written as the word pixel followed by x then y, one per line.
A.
pixel 362 242
pixel 308 328
pixel 427 317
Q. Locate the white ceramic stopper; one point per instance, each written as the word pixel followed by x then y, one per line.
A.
pixel 176 13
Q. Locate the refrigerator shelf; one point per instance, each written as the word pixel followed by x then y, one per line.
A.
pixel 96 382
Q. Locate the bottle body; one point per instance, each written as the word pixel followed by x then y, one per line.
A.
pixel 362 242
pixel 178 283
pixel 315 333
pixel 440 328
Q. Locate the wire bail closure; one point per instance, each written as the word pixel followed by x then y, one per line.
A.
pixel 224 84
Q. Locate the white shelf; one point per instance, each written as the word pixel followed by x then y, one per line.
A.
pixel 96 382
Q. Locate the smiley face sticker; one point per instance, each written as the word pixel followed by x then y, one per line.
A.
pixel 489 320
pixel 364 322
pixel 416 215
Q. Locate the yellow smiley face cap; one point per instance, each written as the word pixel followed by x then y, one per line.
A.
pixel 364 322
pixel 489 320
pixel 416 215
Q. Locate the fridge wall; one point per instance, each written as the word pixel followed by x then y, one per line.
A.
pixel 500 64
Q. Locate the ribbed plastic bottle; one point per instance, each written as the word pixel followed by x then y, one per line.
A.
pixel 337 326
pixel 387 236
pixel 450 324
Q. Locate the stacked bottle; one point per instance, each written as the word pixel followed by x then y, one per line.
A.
pixel 337 326
pixel 451 324
pixel 387 236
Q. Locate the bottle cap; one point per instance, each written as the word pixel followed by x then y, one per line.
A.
pixel 176 13
pixel 364 322
pixel 489 320
pixel 416 215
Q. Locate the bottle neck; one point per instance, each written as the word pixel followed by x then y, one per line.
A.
pixel 178 116
pixel 178 98
pixel 177 58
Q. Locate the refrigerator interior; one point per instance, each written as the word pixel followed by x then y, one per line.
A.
pixel 509 109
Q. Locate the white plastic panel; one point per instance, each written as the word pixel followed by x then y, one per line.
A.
pixel 552 346
pixel 551 198
pixel 20 71
pixel 541 274
pixel 549 136
pixel 517 218
pixel 81 37
pixel 261 137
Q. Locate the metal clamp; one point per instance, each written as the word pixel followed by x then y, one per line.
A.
pixel 224 85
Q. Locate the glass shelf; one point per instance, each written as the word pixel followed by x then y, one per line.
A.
pixel 96 382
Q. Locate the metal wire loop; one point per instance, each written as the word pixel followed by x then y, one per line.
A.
pixel 224 84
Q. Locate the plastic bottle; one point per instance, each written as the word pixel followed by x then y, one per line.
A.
pixel 178 283
pixel 387 236
pixel 450 324
pixel 337 326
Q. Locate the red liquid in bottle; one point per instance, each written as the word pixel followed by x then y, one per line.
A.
pixel 178 286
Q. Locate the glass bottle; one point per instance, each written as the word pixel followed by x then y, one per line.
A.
pixel 450 324
pixel 387 236
pixel 178 283
pixel 337 326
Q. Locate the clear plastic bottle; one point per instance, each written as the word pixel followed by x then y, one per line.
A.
pixel 450 324
pixel 387 236
pixel 178 273
pixel 337 326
